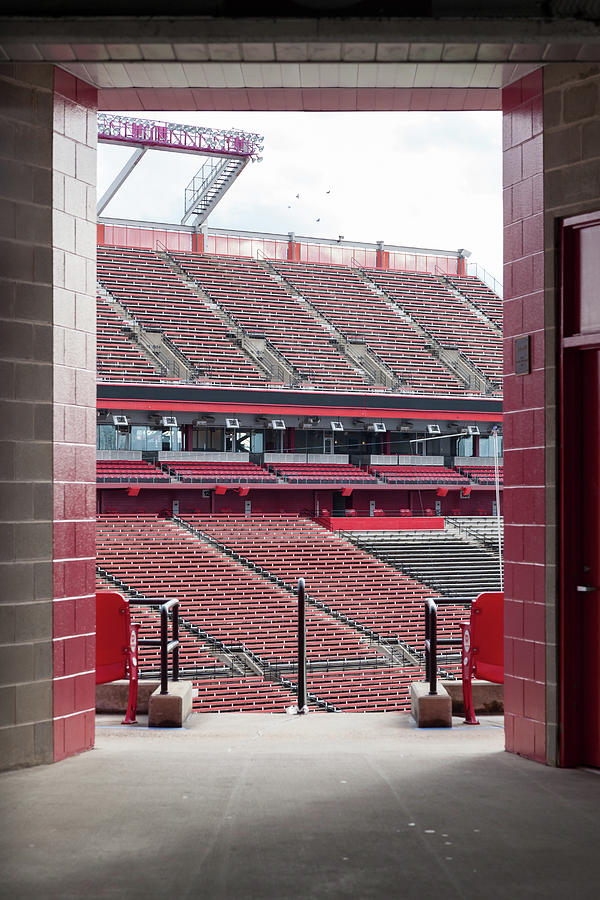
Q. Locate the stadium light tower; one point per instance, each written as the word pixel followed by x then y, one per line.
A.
pixel 228 152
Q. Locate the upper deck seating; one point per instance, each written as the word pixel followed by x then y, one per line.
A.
pixel 118 357
pixel 361 315
pixel 128 470
pixel 482 474
pixel 156 297
pixel 448 320
pixel 225 600
pixel 480 294
pixel 418 475
pixel 195 470
pixel 262 307
pixel 325 473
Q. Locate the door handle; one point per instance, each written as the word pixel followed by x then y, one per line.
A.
pixel 586 588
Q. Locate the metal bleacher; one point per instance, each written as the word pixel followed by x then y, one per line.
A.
pixel 450 562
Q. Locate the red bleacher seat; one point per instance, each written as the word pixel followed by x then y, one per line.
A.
pixel 482 646
pixel 336 473
pixel 128 470
pixel 116 646
pixel 416 474
pixel 196 470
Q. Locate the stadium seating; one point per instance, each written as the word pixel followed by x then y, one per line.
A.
pixel 260 306
pixel 366 591
pixel 196 470
pixel 156 297
pixel 482 474
pixel 418 475
pixel 480 295
pixel 248 694
pixel 225 604
pixel 194 657
pixel 483 529
pixel 119 358
pixel 324 473
pixel 452 565
pixel 361 315
pixel 224 600
pixel 128 470
pixel 448 320
pixel 365 690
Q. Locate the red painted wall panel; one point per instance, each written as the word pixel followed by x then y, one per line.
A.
pixel 524 435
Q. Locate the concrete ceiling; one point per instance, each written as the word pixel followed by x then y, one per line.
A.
pixel 220 63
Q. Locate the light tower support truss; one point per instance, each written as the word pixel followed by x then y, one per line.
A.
pixel 230 152
pixel 208 186
pixel 115 129
pixel 121 177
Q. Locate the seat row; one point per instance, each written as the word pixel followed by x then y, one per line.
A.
pixel 309 473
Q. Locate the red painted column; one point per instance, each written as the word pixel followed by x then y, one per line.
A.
pixel 524 429
pixel 74 467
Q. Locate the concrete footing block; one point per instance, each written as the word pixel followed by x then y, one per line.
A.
pixel 488 698
pixel 430 710
pixel 172 709
pixel 114 696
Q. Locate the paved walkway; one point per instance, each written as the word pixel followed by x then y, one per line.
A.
pixel 270 807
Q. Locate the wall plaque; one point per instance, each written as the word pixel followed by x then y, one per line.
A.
pixel 522 355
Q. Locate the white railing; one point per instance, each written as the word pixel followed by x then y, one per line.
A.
pixel 483 275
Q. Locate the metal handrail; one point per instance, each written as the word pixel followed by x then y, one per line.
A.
pixel 431 645
pixel 166 646
pixel 432 642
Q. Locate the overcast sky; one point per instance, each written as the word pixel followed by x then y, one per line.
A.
pixel 416 179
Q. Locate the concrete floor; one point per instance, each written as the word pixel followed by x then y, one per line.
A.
pixel 320 806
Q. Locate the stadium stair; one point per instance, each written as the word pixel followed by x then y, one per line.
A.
pixel 120 356
pixel 266 309
pixel 452 324
pixel 151 292
pixel 358 353
pixel 361 313
pixel 479 295
pixel 261 353
pixel 365 594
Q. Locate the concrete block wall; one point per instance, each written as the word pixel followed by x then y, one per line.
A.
pixel 524 420
pixel 551 170
pixel 74 383
pixel 47 401
pixel 26 450
pixel 571 187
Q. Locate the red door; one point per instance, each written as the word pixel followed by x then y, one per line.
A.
pixel 588 563
pixel 580 482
